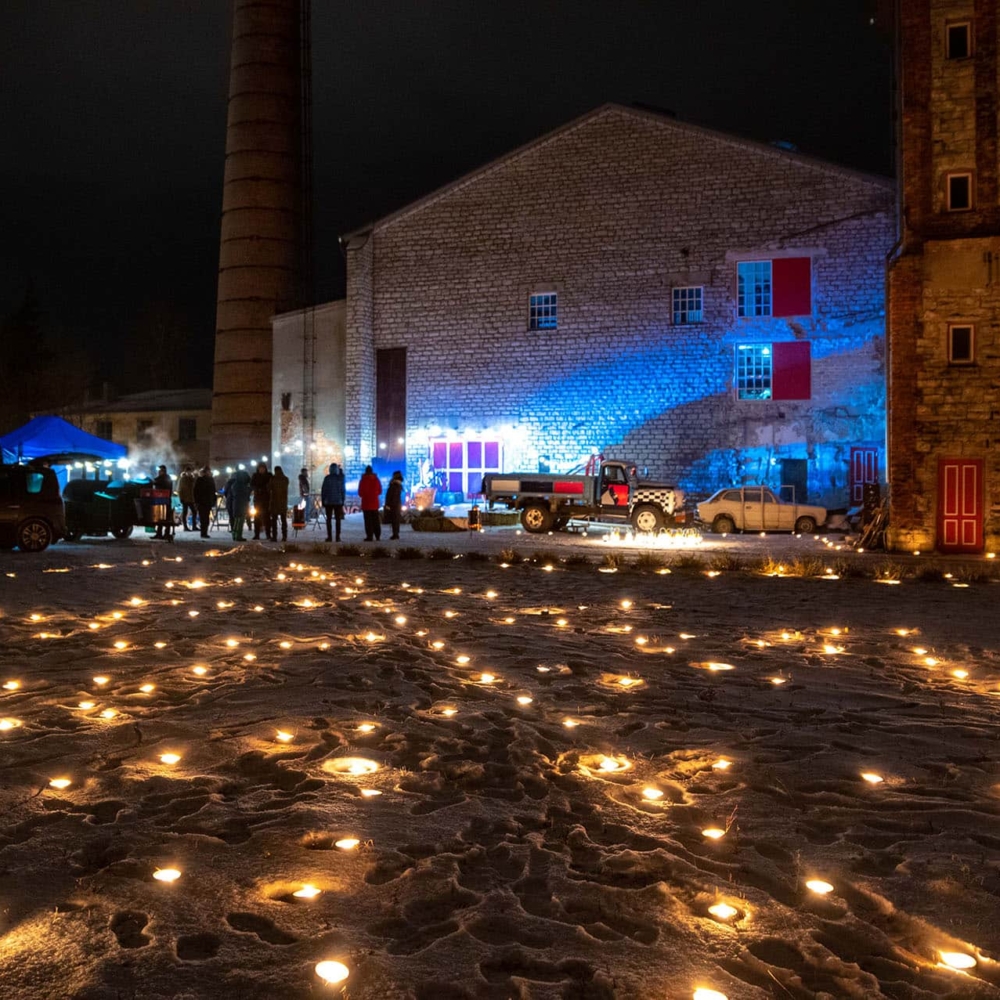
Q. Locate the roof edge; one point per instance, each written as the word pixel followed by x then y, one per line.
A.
pixel 755 145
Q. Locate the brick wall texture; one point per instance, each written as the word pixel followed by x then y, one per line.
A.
pixel 946 271
pixel 612 212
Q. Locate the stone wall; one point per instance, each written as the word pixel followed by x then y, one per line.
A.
pixel 612 212
pixel 947 270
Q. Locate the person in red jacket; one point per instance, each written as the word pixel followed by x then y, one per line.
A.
pixel 369 490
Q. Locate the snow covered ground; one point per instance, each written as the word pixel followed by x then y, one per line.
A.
pixel 544 782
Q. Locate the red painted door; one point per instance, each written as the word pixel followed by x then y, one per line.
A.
pixel 864 469
pixel 960 505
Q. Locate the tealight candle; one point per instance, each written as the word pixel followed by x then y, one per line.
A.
pixel 332 972
pixel 702 993
pixel 60 783
pixel 8 724
pixel 818 886
pixel 108 713
pixel 872 778
pixel 524 699
pixel 723 911
pixel 307 892
pixel 462 660
pixel 11 685
pixel 370 793
pixel 570 723
pixel 170 758
pixel 449 711
pixel 199 670
pixel 284 737
pixel 166 874
pixel 722 764
pixel 651 793
pixel 148 688
pixel 347 843
pixel 366 727
pixel 486 678
pixel 101 681
pixel 957 960
pixel 713 833
pixel 86 706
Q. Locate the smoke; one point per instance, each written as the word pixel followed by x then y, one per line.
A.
pixel 156 450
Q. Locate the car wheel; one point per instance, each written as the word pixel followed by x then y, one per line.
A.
pixel 34 535
pixel 805 525
pixel 536 519
pixel 648 519
pixel 723 525
pixel 123 532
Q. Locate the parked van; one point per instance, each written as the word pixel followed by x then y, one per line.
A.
pixel 31 508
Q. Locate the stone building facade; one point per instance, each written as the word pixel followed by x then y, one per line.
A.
pixel 706 306
pixel 944 282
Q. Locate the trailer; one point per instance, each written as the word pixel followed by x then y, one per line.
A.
pixel 612 495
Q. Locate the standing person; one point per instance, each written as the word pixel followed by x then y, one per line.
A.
pixel 204 499
pixel 394 502
pixel 304 488
pixel 165 528
pixel 260 483
pixel 369 490
pixel 185 491
pixel 332 497
pixel 279 504
pixel 239 494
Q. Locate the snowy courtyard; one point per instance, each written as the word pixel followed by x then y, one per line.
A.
pixel 465 779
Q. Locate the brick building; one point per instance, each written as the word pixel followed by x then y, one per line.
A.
pixel 944 282
pixel 709 307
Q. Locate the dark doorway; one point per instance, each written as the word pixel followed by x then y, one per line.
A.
pixel 390 406
pixel 795 480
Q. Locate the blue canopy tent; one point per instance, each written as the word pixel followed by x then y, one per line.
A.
pixel 57 442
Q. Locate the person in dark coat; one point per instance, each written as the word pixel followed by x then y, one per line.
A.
pixel 239 493
pixel 394 502
pixel 279 504
pixel 165 528
pixel 260 483
pixel 304 488
pixel 369 490
pixel 185 493
pixel 332 497
pixel 204 499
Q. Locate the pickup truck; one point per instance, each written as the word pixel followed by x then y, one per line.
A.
pixel 549 502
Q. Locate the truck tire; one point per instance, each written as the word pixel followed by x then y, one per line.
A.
pixel 536 518
pixel 648 519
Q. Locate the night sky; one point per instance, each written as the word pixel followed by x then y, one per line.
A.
pixel 115 110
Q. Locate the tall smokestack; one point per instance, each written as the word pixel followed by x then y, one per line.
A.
pixel 260 252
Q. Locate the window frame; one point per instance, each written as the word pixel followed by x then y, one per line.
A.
pixel 539 312
pixel 681 294
pixel 954 175
pixel 965 361
pixel 948 28
pixel 766 308
pixel 191 422
pixel 743 392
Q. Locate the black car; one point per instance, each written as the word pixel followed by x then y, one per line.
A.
pixel 31 509
pixel 97 506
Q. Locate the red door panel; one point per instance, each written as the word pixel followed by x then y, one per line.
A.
pixel 960 505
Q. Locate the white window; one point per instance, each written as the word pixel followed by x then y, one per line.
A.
pixel 959 192
pixel 542 311
pixel 687 304
pixel 961 344
pixel 753 279
pixel 753 371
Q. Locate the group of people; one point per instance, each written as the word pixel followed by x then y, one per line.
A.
pixel 261 499
pixel 332 496
pixel 197 495
pixel 264 497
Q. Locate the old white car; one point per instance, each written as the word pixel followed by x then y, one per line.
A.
pixel 756 508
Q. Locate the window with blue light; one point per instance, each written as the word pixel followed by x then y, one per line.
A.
pixel 542 311
pixel 753 371
pixel 687 304
pixel 753 279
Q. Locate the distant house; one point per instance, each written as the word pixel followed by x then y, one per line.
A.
pixel 169 426
pixel 709 307
pixel 944 283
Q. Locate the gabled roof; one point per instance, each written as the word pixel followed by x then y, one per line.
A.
pixel 153 399
pixel 644 114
